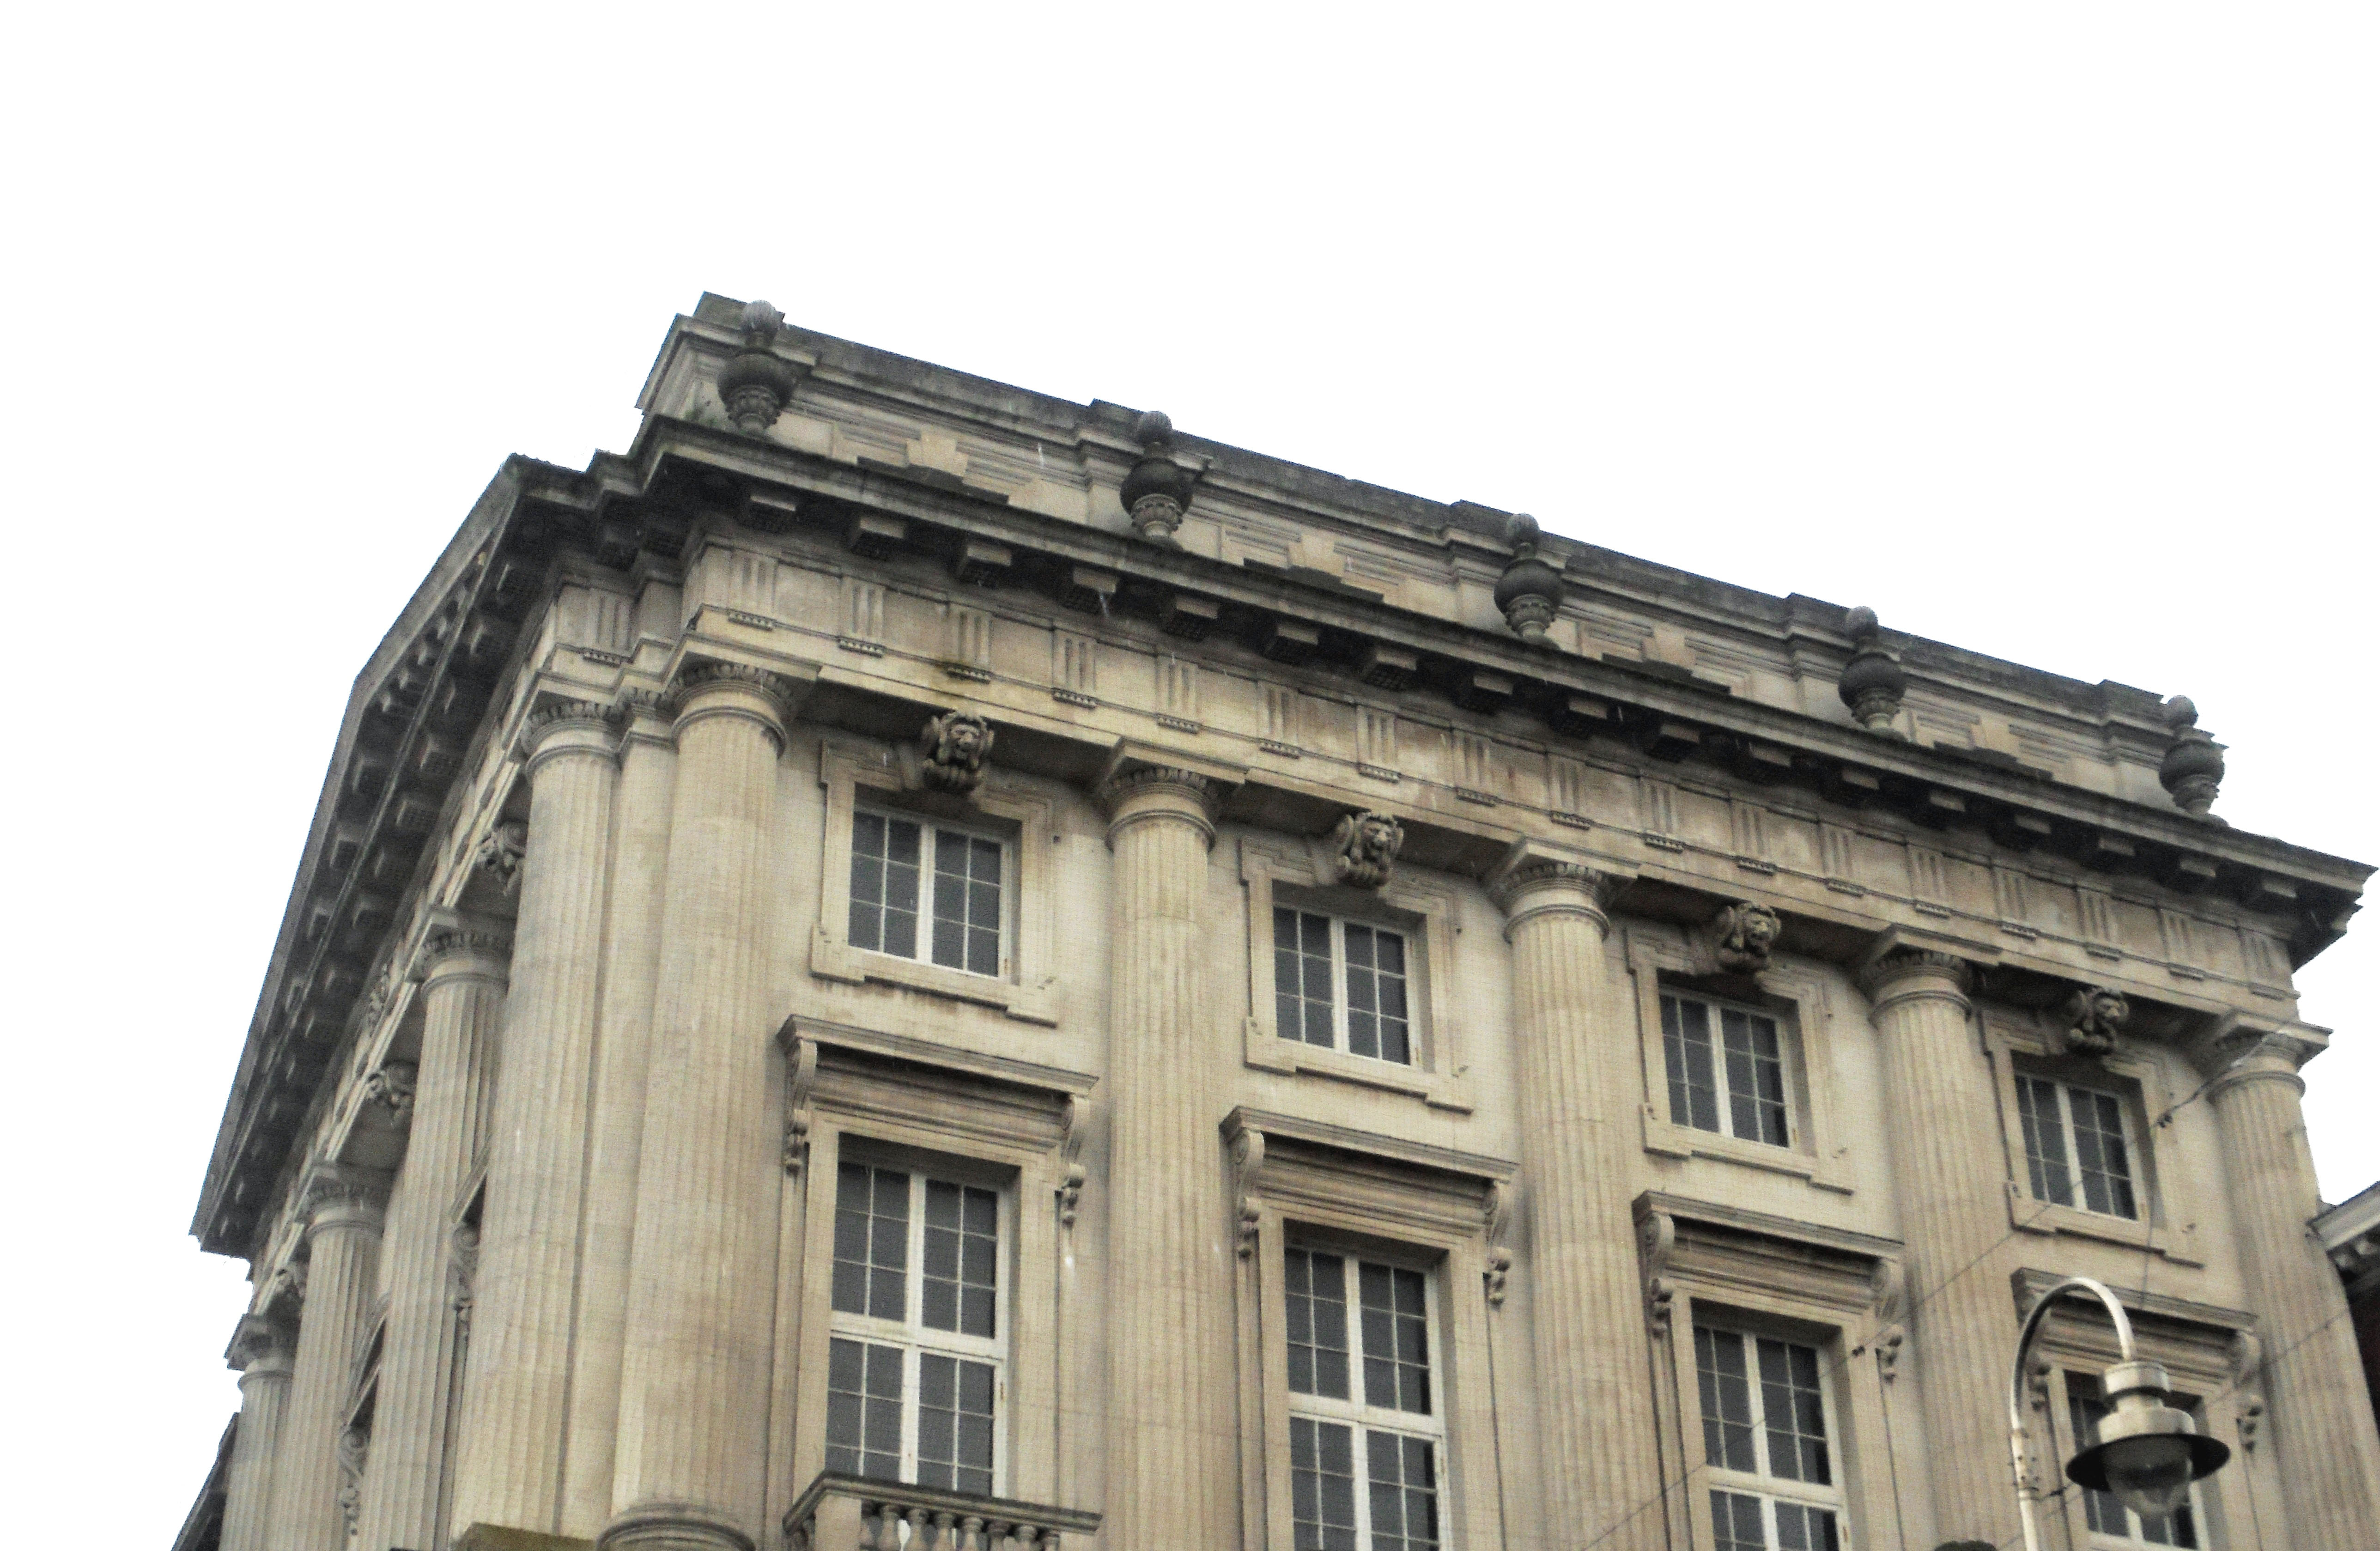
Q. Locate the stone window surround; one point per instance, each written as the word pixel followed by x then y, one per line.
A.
pixel 2168 1200
pixel 1818 1153
pixel 1823 1288
pixel 1005 1124
pixel 1424 909
pixel 889 778
pixel 2211 1352
pixel 1428 1208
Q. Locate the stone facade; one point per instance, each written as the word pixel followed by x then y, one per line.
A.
pixel 901 928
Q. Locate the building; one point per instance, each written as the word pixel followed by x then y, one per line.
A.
pixel 2350 1232
pixel 905 950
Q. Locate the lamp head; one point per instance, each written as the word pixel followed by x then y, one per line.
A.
pixel 2148 1453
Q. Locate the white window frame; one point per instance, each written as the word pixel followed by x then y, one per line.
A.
pixel 2166 1196
pixel 910 1333
pixel 1342 1002
pixel 2029 1083
pixel 1803 1007
pixel 1357 1412
pixel 881 778
pixel 1780 1024
pixel 931 833
pixel 1423 910
pixel 1768 1488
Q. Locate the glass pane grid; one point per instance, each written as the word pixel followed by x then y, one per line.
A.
pixel 871 1241
pixel 2075 1151
pixel 967 902
pixel 885 854
pixel 1303 1003
pixel 1314 1289
pixel 1763 1417
pixel 1354 1482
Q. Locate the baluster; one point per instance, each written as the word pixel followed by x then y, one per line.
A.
pixel 872 1527
pixel 971 1533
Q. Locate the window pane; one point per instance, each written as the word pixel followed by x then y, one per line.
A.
pixel 1803 1528
pixel 863 1409
pixel 1792 1415
pixel 2099 1151
pixel 1363 992
pixel 871 1241
pixel 1403 1480
pixel 1314 1289
pixel 2104 1513
pixel 1302 975
pixel 1735 1522
pixel 962 1257
pixel 1396 1338
pixel 955 1400
pixel 1322 1485
pixel 884 857
pixel 2045 1141
pixel 1694 1070
pixel 1726 1387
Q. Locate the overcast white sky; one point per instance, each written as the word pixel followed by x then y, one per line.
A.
pixel 2049 330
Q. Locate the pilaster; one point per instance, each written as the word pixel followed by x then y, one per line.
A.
pixel 343 1207
pixel 632 939
pixel 688 1461
pixel 462 969
pixel 259 1349
pixel 1596 1428
pixel 2318 1417
pixel 510 1469
pixel 1942 1122
pixel 1171 1450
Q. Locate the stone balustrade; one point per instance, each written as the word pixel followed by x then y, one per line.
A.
pixel 840 1513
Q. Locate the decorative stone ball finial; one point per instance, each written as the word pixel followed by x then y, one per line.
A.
pixel 2193 768
pixel 2091 1016
pixel 1742 935
pixel 1365 849
pixel 1530 592
pixel 1157 492
pixel 1872 683
pixel 754 383
pixel 956 744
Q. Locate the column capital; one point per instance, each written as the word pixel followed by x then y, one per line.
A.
pixel 260 1347
pixel 1143 793
pixel 557 727
pixel 2238 1050
pixel 702 689
pixel 1906 971
pixel 342 1195
pixel 1529 882
pixel 461 947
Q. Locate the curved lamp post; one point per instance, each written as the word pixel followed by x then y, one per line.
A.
pixel 2148 1453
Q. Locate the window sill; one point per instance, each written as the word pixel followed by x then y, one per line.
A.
pixel 1268 1052
pixel 832 959
pixel 2048 1218
pixel 1668 1139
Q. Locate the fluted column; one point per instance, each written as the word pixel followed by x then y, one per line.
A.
pixel 1171 1452
pixel 509 1472
pixel 2318 1417
pixel 260 1351
pixel 693 1392
pixel 463 992
pixel 1950 1181
pixel 1578 1156
pixel 623 1032
pixel 343 1210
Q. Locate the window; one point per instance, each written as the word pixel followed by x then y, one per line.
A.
pixel 914 1369
pixel 2074 1146
pixel 891 860
pixel 1765 1437
pixel 1727 1068
pixel 1365 1439
pixel 1341 984
pixel 2112 1522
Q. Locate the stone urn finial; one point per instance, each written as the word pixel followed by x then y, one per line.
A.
pixel 1530 591
pixel 755 383
pixel 2193 768
pixel 1873 682
pixel 1157 492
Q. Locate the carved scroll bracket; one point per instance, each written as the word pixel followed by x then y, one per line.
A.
pixel 1656 1243
pixel 1496 1205
pixel 801 1080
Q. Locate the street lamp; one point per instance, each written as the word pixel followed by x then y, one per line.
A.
pixel 2148 1453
